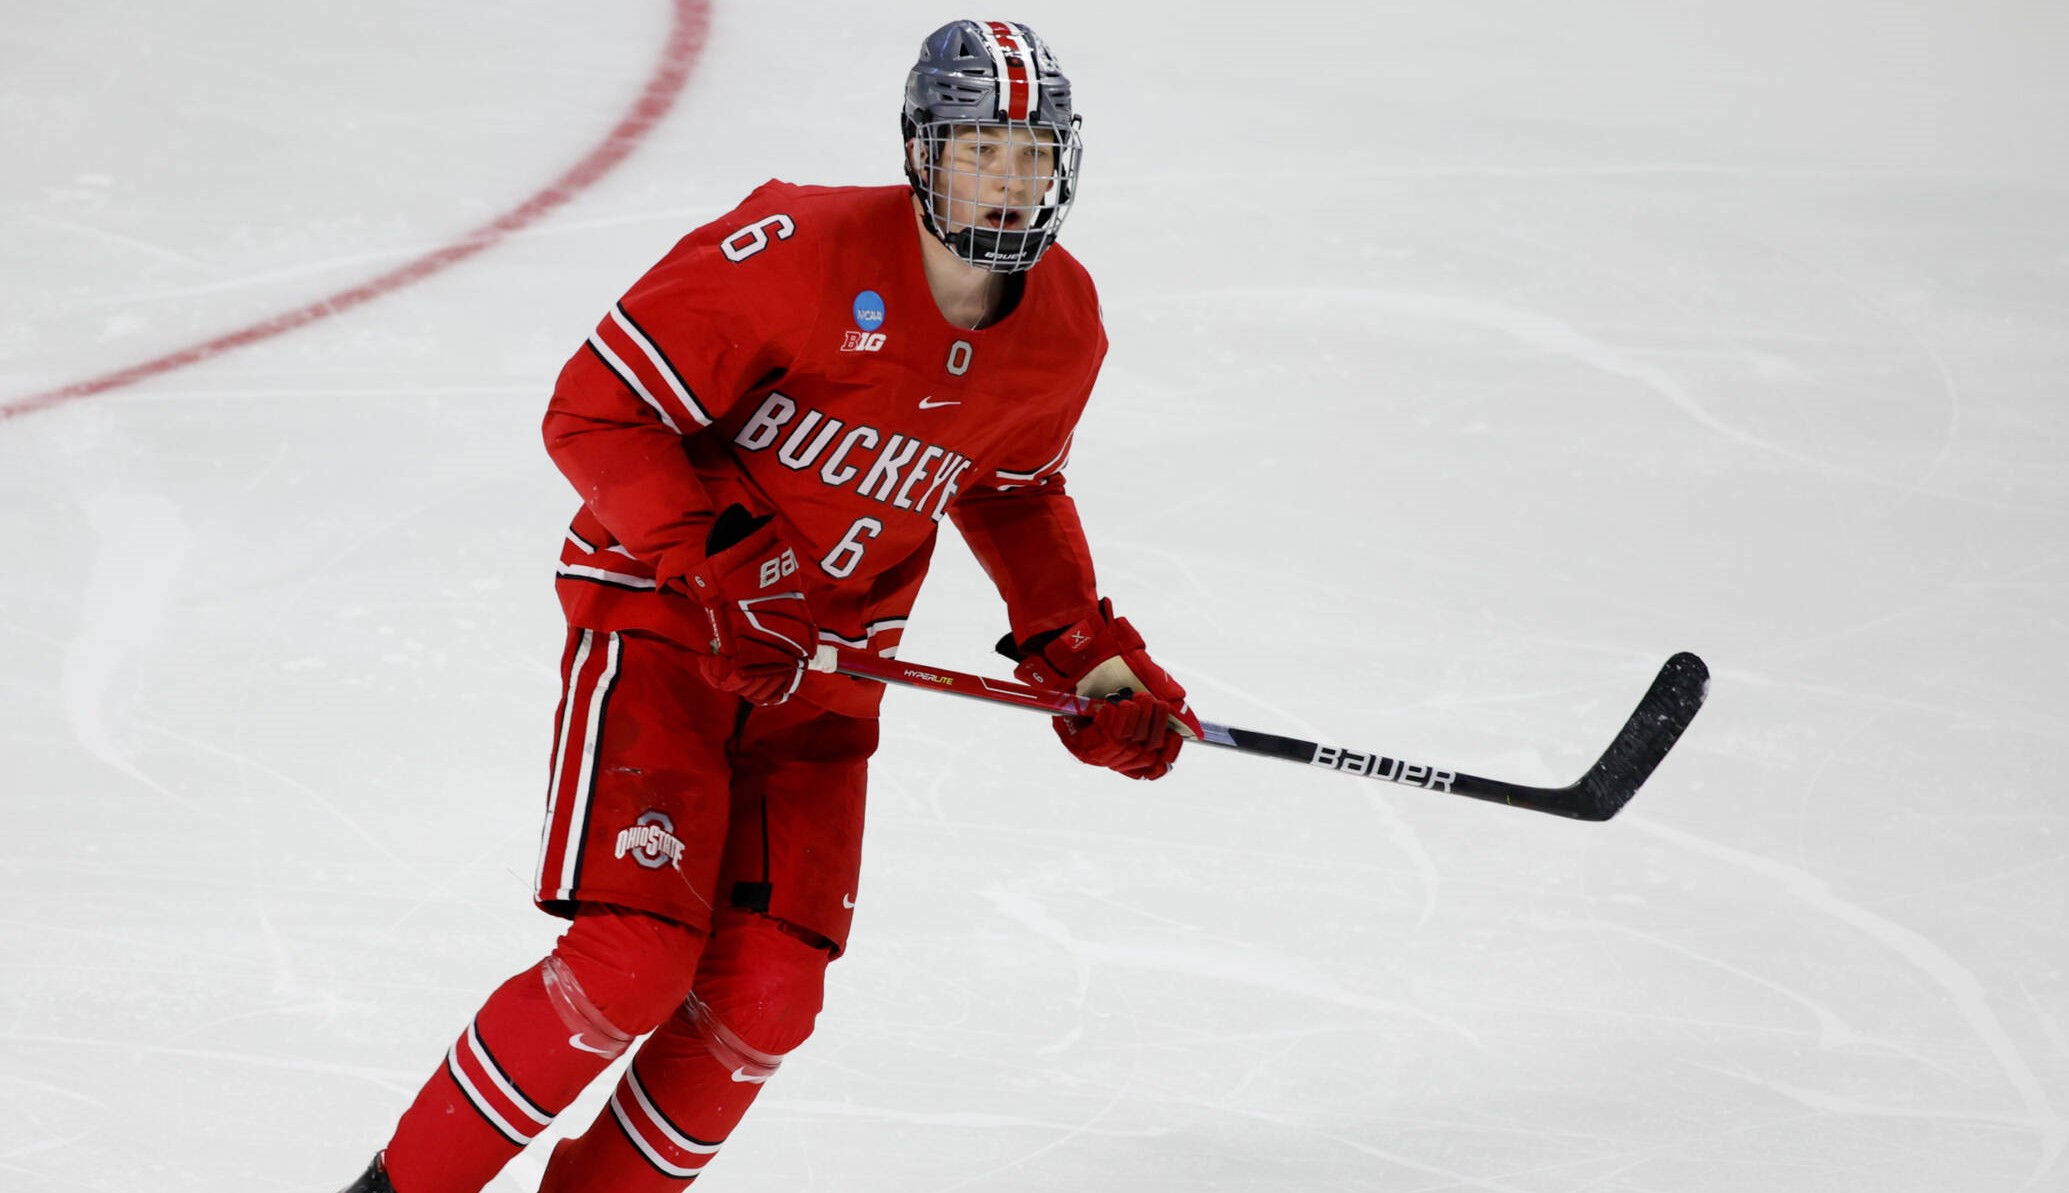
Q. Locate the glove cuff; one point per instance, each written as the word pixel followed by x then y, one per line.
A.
pixel 677 570
pixel 1060 658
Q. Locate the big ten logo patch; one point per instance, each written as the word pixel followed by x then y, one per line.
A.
pixel 651 841
pixel 870 314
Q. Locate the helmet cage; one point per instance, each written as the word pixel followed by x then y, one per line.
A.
pixel 1026 229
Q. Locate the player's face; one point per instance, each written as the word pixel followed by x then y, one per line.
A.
pixel 993 177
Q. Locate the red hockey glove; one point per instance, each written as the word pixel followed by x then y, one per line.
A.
pixel 1144 719
pixel 762 633
pixel 1132 736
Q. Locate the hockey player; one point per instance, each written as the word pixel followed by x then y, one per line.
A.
pixel 766 432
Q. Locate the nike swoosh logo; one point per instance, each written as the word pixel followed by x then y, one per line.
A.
pixel 576 1041
pixel 928 403
pixel 848 901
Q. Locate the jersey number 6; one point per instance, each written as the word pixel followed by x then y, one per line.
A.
pixel 756 237
pixel 841 562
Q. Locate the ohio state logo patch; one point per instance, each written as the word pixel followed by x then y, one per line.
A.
pixel 651 841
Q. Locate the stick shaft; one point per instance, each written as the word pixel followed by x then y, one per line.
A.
pixel 955 683
pixel 1644 740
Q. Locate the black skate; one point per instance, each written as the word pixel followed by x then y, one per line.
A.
pixel 373 1180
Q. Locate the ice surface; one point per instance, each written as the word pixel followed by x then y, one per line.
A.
pixel 1468 360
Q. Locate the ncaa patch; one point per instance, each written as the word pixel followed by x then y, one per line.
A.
pixel 869 310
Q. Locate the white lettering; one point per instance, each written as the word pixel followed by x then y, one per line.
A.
pixel 801 460
pixel 919 473
pixel 896 455
pixel 756 239
pixel 649 845
pixel 846 556
pixel 774 569
pixel 767 423
pixel 1379 766
pixel 833 472
pixel 949 465
pixel 948 487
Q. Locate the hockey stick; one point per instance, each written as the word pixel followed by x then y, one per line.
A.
pixel 1665 710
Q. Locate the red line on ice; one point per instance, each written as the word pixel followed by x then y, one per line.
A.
pixel 685 42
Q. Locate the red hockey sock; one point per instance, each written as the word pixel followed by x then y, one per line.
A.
pixel 758 994
pixel 504 1079
pixel 656 1136
pixel 537 1041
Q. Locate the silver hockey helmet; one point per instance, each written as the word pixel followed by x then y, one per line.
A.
pixel 991 143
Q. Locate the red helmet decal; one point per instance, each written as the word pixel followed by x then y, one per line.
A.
pixel 1014 96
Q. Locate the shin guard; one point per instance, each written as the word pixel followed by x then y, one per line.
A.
pixel 539 1039
pixel 757 996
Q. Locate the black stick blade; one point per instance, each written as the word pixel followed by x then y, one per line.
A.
pixel 1669 705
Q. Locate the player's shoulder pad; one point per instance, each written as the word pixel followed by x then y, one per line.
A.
pixel 1076 299
pixel 818 209
pixel 1066 265
pixel 808 218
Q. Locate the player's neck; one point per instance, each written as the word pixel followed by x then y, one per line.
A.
pixel 966 295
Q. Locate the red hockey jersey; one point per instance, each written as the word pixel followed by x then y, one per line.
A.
pixel 789 357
